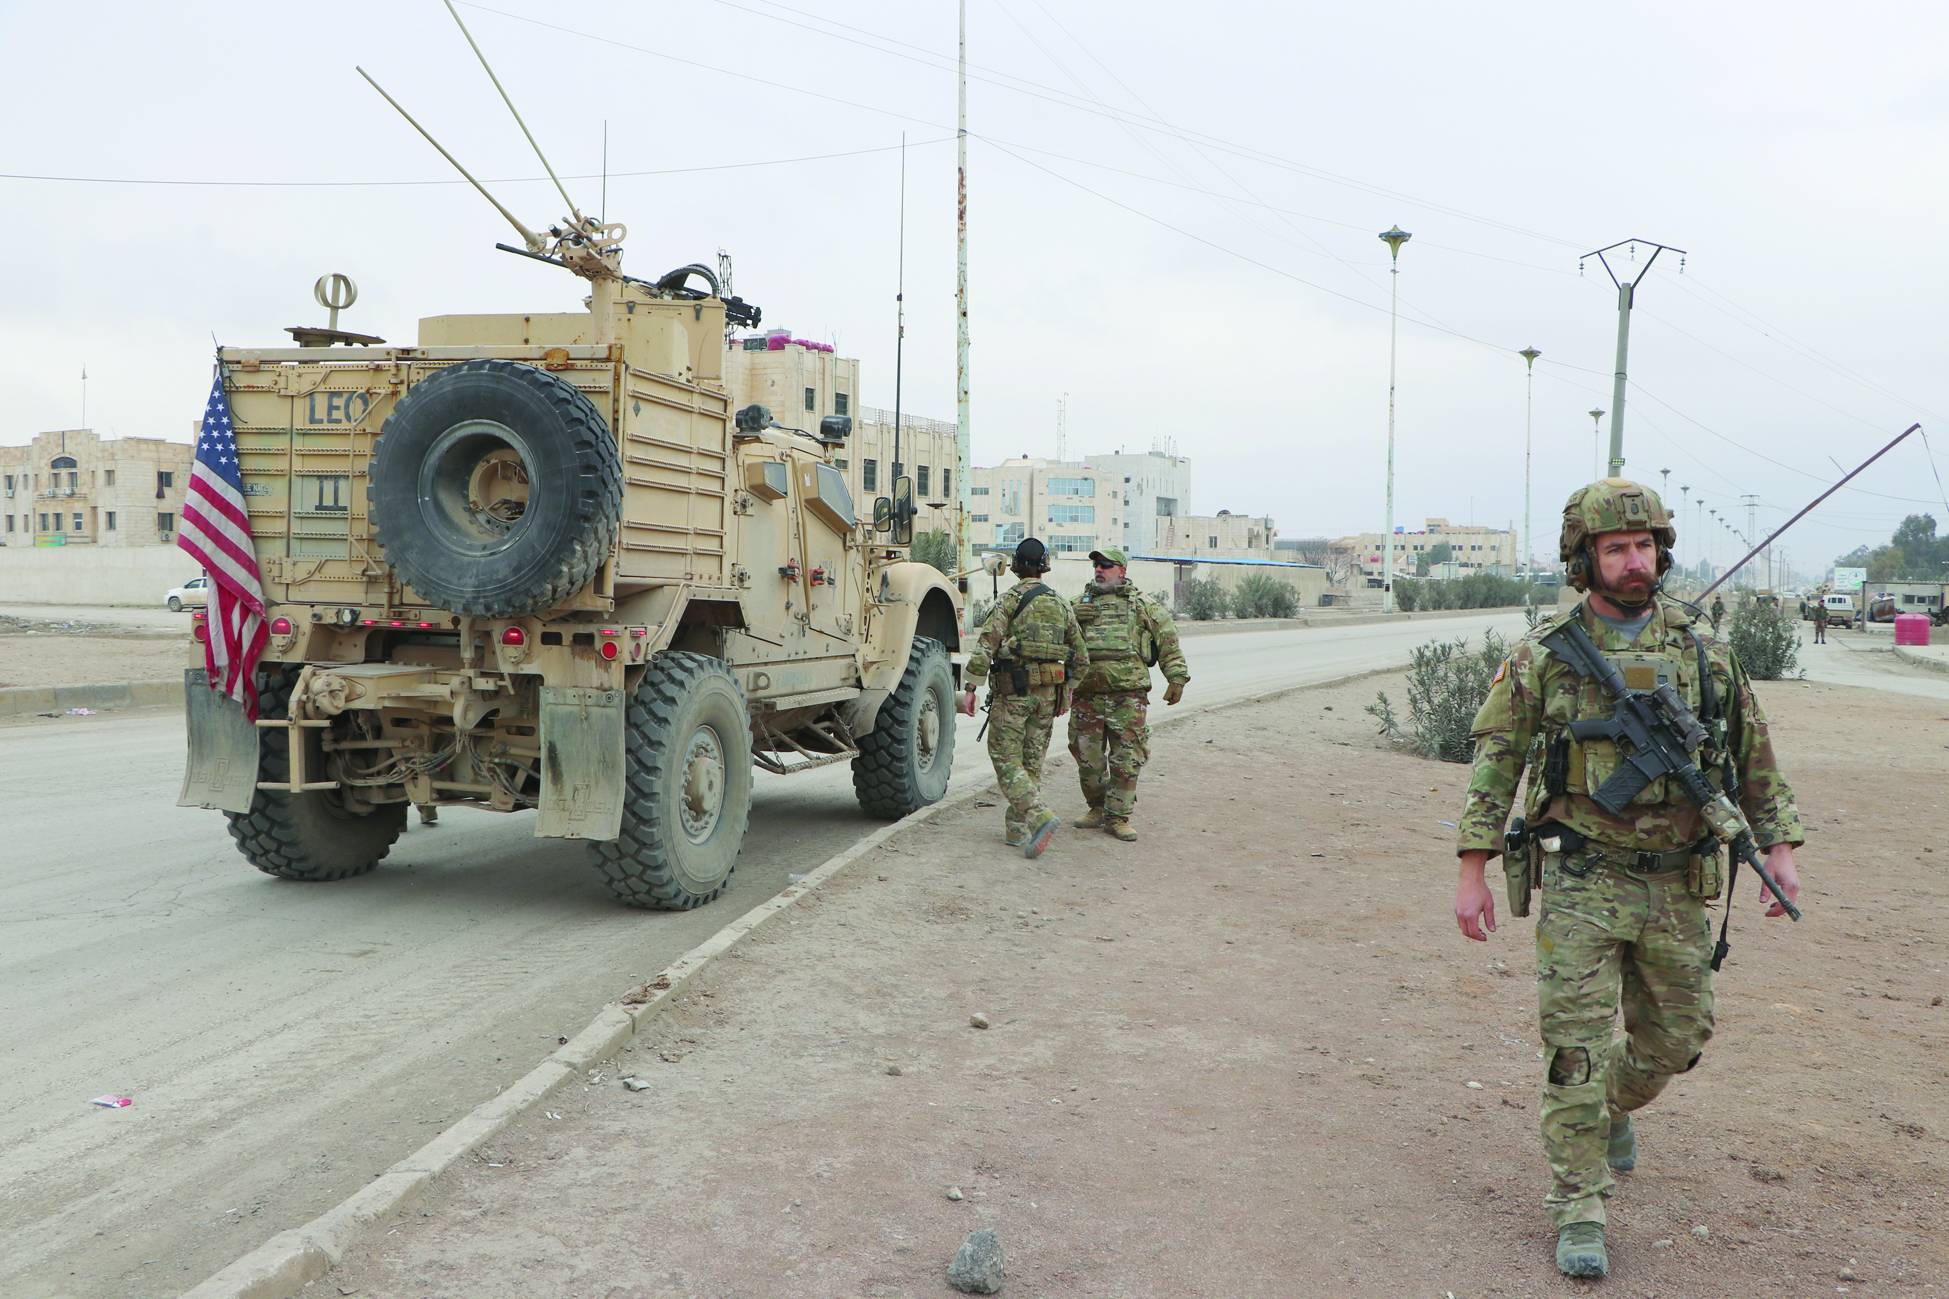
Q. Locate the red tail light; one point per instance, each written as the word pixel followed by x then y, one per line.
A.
pixel 425 626
pixel 610 649
pixel 200 630
pixel 514 636
pixel 280 626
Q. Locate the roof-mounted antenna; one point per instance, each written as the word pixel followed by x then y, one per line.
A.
pixel 536 244
pixel 575 213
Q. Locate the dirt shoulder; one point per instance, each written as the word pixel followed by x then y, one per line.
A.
pixel 62 650
pixel 1239 1058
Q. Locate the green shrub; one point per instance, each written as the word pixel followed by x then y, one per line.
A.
pixel 1766 637
pixel 1447 682
pixel 978 611
pixel 1261 595
pixel 1476 591
pixel 1204 600
pixel 937 548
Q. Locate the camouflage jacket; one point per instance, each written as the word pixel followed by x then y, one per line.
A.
pixel 1119 624
pixel 1535 696
pixel 1001 634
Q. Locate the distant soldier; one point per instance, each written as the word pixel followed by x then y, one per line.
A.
pixel 1718 611
pixel 1820 622
pixel 1035 650
pixel 1126 632
pixel 1623 924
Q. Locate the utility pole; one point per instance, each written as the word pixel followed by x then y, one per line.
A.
pixel 1752 519
pixel 900 312
pixel 1529 355
pixel 963 435
pixel 1393 238
pixel 1596 466
pixel 1626 292
pixel 1684 499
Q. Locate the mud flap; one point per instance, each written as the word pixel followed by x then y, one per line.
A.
pixel 222 770
pixel 581 763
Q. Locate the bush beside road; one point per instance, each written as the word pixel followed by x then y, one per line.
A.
pixel 1236 1058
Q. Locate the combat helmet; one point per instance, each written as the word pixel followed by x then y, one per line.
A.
pixel 1612 505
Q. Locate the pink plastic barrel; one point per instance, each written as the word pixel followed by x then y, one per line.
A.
pixel 1911 629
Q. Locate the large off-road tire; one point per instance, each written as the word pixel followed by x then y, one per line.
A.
pixel 905 761
pixel 497 489
pixel 306 836
pixel 687 786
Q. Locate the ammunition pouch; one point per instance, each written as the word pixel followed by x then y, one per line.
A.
pixel 1705 873
pixel 1014 677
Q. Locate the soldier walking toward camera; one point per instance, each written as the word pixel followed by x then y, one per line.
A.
pixel 1820 622
pixel 1109 734
pixel 1034 649
pixel 1624 923
pixel 1718 611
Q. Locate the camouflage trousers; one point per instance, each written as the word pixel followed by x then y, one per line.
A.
pixel 1613 939
pixel 1109 737
pixel 1018 737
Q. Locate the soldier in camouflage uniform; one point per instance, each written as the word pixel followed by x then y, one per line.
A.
pixel 1109 735
pixel 1035 650
pixel 1624 922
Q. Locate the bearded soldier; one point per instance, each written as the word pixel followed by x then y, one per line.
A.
pixel 1126 631
pixel 1034 648
pixel 1624 923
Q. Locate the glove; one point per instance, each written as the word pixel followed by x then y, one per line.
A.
pixel 1174 692
pixel 968 702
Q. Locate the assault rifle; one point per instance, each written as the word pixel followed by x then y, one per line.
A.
pixel 1656 731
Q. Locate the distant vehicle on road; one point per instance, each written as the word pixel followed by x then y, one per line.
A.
pixel 193 594
pixel 1840 609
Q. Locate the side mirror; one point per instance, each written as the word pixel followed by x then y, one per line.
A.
pixel 883 514
pixel 903 511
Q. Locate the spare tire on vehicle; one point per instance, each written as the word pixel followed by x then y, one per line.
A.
pixel 496 489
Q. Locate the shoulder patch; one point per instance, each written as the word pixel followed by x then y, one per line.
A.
pixel 1502 671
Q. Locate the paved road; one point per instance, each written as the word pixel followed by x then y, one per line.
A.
pixel 284 1043
pixel 1867 658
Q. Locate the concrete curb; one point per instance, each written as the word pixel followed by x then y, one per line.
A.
pixel 1934 663
pixel 286 1262
pixel 18 701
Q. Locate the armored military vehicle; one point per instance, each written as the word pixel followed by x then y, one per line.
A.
pixel 538 561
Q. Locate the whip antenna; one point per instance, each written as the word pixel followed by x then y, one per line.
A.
pixel 512 109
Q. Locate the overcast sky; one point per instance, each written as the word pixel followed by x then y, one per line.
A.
pixel 1173 221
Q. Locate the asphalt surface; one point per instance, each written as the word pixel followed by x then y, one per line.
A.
pixel 283 1042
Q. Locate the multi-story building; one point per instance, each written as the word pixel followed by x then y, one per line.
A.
pixel 1074 507
pixel 926 452
pixel 1154 486
pixel 1469 550
pixel 71 487
pixel 1223 535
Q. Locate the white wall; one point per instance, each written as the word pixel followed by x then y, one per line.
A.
pixel 133 575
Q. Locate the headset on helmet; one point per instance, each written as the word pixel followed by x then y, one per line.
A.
pixel 1612 505
pixel 1031 558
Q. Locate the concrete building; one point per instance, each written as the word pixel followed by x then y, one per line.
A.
pixel 926 452
pixel 1470 550
pixel 72 487
pixel 1154 485
pixel 1223 535
pixel 1075 507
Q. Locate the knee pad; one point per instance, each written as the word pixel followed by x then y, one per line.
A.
pixel 1569 1066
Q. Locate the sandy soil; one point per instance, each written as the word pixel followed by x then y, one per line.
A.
pixel 39 651
pixel 1237 1059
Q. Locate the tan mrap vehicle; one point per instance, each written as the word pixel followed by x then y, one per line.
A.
pixel 537 561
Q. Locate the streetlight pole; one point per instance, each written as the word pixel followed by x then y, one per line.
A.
pixel 1596 468
pixel 1529 355
pixel 1626 294
pixel 1684 499
pixel 1393 238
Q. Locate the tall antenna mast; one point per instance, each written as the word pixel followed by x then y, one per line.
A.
pixel 573 211
pixel 900 307
pixel 534 241
pixel 603 211
pixel 963 436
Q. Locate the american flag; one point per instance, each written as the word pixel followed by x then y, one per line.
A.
pixel 216 530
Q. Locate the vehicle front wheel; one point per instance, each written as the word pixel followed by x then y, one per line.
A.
pixel 905 761
pixel 175 605
pixel 687 786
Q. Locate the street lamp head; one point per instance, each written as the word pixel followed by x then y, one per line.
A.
pixel 1597 414
pixel 1529 354
pixel 1394 239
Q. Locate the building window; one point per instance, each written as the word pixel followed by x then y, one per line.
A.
pixel 1167 507
pixel 10 522
pixel 165 522
pixel 1008 534
pixel 977 518
pixel 108 480
pixel 1072 487
pixel 1067 545
pixel 1213 543
pixel 77 524
pixel 947 484
pixel 812 399
pixel 972 491
pixel 898 469
pixel 839 462
pixel 920 481
pixel 44 527
pixel 108 525
pixel 869 474
pixel 839 403
pixel 166 479
pixel 57 520
pixel 61 462
pixel 1072 514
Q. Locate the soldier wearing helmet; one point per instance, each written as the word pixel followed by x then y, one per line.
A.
pixel 1623 923
pixel 1034 648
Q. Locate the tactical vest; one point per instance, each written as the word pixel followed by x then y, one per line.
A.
pixel 1038 639
pixel 1110 625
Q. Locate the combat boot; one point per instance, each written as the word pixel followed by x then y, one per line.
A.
pixel 1039 837
pixel 1580 1250
pixel 1622 1155
pixel 1119 828
pixel 1014 835
pixel 1092 819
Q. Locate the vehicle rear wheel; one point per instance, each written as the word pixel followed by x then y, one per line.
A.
pixel 497 489
pixel 311 836
pixel 175 605
pixel 905 761
pixel 687 786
